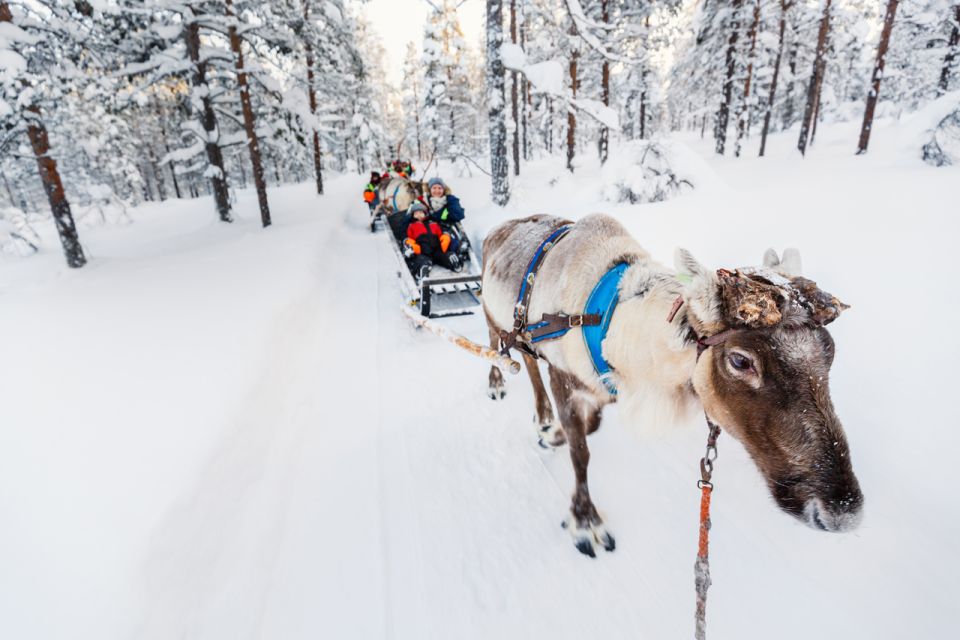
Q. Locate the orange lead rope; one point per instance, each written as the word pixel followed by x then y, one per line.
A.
pixel 702 566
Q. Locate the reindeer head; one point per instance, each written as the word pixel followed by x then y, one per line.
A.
pixel 767 382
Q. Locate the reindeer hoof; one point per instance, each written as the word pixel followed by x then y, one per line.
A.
pixel 550 436
pixel 586 536
pixel 496 393
pixel 585 547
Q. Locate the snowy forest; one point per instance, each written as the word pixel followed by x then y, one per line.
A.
pixel 105 105
pixel 283 283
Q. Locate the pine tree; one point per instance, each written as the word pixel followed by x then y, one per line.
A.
pixel 882 47
pixel 249 123
pixel 816 81
pixel 42 66
pixel 500 185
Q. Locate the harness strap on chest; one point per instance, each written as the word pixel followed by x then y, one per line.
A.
pixel 594 321
pixel 394 197
pixel 602 302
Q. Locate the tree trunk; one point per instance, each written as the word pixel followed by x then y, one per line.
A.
pixel 643 114
pixel 723 113
pixel 784 5
pixel 249 124
pixel 311 91
pixel 53 186
pixel 157 174
pixel 416 121
pixel 952 48
pixel 50 177
pixel 571 116
pixel 877 76
pixel 816 80
pixel 549 126
pixel 603 143
pixel 525 101
pixel 816 115
pixel 208 120
pixel 744 105
pixel 500 186
pixel 514 98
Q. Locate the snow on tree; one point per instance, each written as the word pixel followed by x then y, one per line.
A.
pixel 500 185
pixel 41 61
pixel 448 100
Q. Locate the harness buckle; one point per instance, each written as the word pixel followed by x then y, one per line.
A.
pixel 575 321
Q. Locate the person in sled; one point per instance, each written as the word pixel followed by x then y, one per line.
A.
pixel 426 244
pixel 445 208
pixel 371 193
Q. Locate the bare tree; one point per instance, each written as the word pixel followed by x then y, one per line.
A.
pixel 816 81
pixel 571 116
pixel 49 174
pixel 877 76
pixel 514 98
pixel 604 141
pixel 723 113
pixel 208 119
pixel 952 47
pixel 312 93
pixel 784 7
pixel 745 111
pixel 500 185
pixel 249 124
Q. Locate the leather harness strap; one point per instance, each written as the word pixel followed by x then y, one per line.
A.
pixel 551 325
pixel 709 341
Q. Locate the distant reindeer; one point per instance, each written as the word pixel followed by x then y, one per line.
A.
pixel 746 347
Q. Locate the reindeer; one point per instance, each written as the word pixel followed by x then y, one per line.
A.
pixel 748 348
pixel 396 195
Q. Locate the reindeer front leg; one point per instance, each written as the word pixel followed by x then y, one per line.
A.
pixel 580 415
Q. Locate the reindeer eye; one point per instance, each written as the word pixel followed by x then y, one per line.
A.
pixel 740 362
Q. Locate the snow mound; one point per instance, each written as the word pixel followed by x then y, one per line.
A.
pixel 17 237
pixel 935 129
pixel 651 171
pixel 944 145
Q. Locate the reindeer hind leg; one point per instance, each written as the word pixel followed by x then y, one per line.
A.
pixel 497 389
pixel 549 432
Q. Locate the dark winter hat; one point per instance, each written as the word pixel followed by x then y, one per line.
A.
pixel 434 181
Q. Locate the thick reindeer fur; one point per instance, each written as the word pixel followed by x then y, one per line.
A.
pixel 765 381
pixel 654 392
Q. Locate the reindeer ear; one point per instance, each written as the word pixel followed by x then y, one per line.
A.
pixel 700 290
pixel 770 259
pixel 791 266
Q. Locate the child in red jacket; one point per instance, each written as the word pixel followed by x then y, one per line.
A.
pixel 426 243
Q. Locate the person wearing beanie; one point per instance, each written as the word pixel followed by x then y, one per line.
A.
pixel 370 195
pixel 445 207
pixel 426 243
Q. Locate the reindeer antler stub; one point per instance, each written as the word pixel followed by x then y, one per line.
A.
pixel 749 302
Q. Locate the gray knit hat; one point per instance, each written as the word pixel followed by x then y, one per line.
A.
pixel 417 206
pixel 434 181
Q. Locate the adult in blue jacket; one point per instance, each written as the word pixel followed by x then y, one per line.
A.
pixel 445 207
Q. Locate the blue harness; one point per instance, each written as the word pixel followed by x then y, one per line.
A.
pixel 594 322
pixel 394 197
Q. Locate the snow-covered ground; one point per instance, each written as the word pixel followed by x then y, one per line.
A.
pixel 226 432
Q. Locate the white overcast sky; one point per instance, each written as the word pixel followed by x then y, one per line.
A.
pixel 401 21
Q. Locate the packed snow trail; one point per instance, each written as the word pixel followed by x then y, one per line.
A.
pixel 249 440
